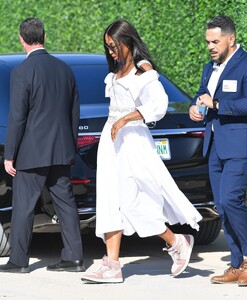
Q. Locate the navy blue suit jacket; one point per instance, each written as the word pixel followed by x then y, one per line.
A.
pixel 230 121
pixel 44 113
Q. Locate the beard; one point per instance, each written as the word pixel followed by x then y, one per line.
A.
pixel 222 57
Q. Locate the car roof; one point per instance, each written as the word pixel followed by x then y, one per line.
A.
pixel 11 60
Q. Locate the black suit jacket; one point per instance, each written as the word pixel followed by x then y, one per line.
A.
pixel 44 113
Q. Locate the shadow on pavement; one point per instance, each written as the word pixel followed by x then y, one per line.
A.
pixel 47 247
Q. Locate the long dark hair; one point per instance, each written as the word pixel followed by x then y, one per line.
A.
pixel 122 32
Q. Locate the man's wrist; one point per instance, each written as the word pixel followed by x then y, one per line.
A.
pixel 215 103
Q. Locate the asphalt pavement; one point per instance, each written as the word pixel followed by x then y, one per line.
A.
pixel 146 270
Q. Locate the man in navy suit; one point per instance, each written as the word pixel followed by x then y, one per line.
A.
pixel 223 91
pixel 40 148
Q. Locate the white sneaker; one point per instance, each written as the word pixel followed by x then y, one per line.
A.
pixel 180 253
pixel 109 271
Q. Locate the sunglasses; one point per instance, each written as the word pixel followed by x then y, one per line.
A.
pixel 111 48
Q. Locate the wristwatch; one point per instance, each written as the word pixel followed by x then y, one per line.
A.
pixel 215 102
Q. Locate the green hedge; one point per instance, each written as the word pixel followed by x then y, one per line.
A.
pixel 174 30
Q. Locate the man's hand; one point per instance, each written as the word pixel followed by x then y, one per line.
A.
pixel 205 100
pixel 8 165
pixel 194 114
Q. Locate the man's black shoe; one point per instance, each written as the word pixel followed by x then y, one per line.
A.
pixel 12 268
pixel 69 266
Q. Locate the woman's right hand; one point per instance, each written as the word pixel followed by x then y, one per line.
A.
pixel 116 127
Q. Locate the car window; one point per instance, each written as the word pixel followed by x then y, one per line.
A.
pixel 4 94
pixel 175 94
pixel 90 81
pixel 91 86
pixel 4 101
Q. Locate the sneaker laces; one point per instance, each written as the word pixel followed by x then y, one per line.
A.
pixel 104 266
pixel 101 268
pixel 172 251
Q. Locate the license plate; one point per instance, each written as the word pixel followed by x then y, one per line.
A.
pixel 163 149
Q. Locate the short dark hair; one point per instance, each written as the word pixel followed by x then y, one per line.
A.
pixel 32 31
pixel 225 23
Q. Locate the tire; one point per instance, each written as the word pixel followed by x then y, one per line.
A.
pixel 208 232
pixel 4 242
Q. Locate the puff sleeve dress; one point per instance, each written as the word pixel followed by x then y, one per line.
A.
pixel 135 191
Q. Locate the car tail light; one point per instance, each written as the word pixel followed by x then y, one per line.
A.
pixel 87 140
pixel 79 181
pixel 196 134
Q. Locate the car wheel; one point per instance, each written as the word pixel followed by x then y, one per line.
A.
pixel 208 232
pixel 4 242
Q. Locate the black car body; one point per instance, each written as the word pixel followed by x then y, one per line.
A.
pixel 179 142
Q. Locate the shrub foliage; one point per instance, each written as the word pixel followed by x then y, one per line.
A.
pixel 174 30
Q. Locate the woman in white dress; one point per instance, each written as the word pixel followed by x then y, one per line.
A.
pixel 135 191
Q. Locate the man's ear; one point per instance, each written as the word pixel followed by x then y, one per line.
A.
pixel 232 40
pixel 22 40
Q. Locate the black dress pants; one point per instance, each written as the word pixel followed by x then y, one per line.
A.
pixel 27 187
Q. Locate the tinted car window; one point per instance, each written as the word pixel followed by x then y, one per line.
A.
pixel 4 100
pixel 175 94
pixel 90 81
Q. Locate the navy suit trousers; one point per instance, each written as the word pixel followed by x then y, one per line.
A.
pixel 229 182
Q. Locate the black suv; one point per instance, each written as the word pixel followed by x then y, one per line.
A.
pixel 178 139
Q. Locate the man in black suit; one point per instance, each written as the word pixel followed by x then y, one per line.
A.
pixel 40 147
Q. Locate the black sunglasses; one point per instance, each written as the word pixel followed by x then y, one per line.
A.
pixel 111 48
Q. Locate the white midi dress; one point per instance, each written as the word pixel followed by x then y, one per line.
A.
pixel 135 191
